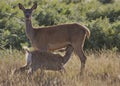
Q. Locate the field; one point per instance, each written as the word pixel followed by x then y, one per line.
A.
pixel 102 69
pixel 102 17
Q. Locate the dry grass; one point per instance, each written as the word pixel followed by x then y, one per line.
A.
pixel 102 69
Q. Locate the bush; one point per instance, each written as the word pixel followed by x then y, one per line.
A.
pixel 110 11
pixel 102 35
pixel 106 1
pixel 102 20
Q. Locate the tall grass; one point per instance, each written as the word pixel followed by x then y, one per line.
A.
pixel 102 69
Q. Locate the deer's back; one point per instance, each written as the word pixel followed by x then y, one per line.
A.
pixel 46 60
pixel 59 36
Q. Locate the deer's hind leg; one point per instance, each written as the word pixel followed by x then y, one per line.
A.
pixel 82 57
pixel 78 48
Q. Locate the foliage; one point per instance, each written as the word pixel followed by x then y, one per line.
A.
pixel 106 1
pixel 102 20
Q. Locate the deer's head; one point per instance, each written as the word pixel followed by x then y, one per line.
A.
pixel 27 12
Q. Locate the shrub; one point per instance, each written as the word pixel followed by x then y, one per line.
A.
pixel 102 20
pixel 106 1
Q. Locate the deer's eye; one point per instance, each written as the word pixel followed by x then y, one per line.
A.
pixel 28 12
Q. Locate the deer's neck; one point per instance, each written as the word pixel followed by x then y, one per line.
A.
pixel 67 55
pixel 29 29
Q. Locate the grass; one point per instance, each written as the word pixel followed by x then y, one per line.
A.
pixel 102 69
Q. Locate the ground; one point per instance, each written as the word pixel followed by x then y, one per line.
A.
pixel 102 69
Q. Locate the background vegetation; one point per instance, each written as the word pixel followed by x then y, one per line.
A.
pixel 102 17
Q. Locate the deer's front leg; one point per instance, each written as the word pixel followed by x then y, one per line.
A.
pixel 21 69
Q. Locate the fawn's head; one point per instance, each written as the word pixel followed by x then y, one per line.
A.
pixel 27 12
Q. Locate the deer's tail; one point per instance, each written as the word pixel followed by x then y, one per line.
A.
pixel 87 32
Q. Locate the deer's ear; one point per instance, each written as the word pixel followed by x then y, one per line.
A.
pixel 34 6
pixel 21 6
pixel 26 49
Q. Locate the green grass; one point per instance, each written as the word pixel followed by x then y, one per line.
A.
pixel 102 69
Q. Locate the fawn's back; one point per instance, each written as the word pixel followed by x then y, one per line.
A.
pixel 46 60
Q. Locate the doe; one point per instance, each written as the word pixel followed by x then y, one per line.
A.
pixel 51 38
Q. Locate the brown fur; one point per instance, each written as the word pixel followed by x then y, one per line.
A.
pixel 56 37
pixel 45 60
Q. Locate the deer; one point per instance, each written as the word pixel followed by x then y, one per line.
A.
pixel 50 38
pixel 44 60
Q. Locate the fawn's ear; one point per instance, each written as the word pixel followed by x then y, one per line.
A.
pixel 21 6
pixel 34 6
pixel 26 49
